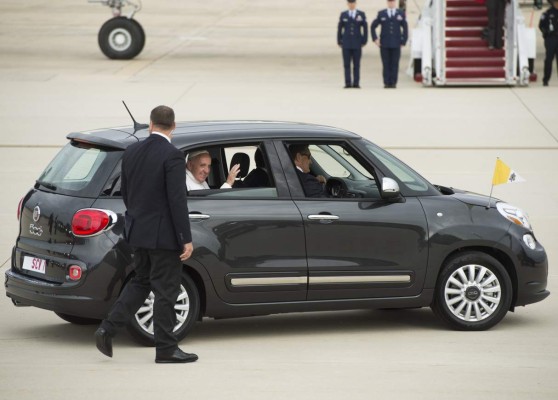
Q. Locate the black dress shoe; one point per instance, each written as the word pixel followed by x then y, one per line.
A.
pixel 545 83
pixel 104 342
pixel 177 356
pixel 347 87
pixel 356 86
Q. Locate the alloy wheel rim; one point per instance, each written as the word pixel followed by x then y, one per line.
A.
pixel 144 316
pixel 472 293
pixel 120 39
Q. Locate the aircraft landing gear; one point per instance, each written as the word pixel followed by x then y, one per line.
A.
pixel 121 37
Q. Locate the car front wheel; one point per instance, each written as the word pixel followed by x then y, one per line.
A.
pixel 473 292
pixel 187 309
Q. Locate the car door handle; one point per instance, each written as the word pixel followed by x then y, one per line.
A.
pixel 198 216
pixel 323 217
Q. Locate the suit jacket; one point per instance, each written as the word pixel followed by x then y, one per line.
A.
pixel 311 186
pixel 352 33
pixel 394 30
pixel 154 192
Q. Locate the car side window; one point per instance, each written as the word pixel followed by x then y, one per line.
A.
pixel 338 169
pixel 209 174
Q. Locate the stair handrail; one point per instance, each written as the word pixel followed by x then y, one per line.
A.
pixel 517 47
pixel 510 43
pixel 439 39
pixel 422 41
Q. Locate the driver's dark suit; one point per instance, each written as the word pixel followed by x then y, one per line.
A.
pixel 310 184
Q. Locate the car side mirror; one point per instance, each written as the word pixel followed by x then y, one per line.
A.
pixel 390 188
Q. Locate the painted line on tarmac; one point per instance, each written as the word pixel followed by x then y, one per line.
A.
pixel 534 116
pixel 450 148
pixel 469 148
pixel 173 45
pixel 32 146
pixel 5 262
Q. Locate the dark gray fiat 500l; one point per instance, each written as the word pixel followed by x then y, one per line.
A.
pixel 384 238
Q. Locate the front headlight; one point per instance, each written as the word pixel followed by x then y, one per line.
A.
pixel 514 214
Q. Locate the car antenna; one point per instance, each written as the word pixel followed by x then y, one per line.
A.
pixel 137 126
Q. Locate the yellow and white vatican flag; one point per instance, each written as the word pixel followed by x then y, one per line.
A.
pixel 504 174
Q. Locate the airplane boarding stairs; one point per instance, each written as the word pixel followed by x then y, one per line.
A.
pixel 448 47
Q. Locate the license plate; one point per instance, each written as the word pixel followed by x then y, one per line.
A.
pixel 34 264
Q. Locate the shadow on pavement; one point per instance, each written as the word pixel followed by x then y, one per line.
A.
pixel 282 325
pixel 318 323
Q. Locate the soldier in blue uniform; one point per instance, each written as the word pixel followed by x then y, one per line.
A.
pixel 352 35
pixel 549 28
pixel 393 36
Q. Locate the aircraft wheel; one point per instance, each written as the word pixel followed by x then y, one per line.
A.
pixel 121 38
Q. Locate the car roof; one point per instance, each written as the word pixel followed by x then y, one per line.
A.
pixel 191 133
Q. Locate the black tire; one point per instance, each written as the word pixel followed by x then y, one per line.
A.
pixel 144 337
pixel 78 320
pixel 487 296
pixel 121 38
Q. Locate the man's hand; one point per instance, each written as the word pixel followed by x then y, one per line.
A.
pixel 377 41
pixel 321 179
pixel 186 251
pixel 233 173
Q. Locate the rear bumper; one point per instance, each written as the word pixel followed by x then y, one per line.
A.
pixel 30 292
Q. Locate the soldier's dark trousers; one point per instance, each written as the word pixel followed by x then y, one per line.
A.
pixel 496 10
pixel 352 56
pixel 390 63
pixel 158 271
pixel 551 46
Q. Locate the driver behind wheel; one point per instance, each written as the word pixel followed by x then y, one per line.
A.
pixel 313 185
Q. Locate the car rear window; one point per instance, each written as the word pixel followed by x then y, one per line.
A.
pixel 79 169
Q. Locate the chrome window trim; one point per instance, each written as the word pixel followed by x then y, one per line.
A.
pixel 360 279
pixel 284 280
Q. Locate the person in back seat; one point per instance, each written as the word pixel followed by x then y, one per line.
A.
pixel 198 168
pixel 258 177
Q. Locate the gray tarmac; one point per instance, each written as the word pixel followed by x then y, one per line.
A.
pixel 271 60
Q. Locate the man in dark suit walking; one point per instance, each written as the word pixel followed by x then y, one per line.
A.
pixel 352 35
pixel 302 158
pixel 157 227
pixel 392 38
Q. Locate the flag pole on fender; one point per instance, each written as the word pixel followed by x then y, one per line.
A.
pixel 503 174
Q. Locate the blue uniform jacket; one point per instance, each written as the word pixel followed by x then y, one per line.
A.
pixel 352 33
pixel 549 23
pixel 394 30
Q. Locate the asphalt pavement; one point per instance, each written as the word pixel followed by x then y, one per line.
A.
pixel 272 60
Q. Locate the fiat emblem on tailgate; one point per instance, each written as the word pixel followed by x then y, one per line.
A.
pixel 36 213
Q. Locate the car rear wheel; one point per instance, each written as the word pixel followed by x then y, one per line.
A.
pixel 187 308
pixel 473 292
pixel 78 320
pixel 121 38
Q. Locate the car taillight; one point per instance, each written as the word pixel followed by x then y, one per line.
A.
pixel 19 208
pixel 90 221
pixel 75 272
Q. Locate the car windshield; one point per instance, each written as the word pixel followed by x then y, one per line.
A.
pixel 402 172
pixel 337 161
pixel 79 169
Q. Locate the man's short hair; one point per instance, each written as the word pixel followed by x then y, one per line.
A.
pixel 295 149
pixel 162 116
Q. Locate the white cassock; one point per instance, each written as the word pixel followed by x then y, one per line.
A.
pixel 193 184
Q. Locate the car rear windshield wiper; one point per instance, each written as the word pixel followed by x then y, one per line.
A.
pixel 45 184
